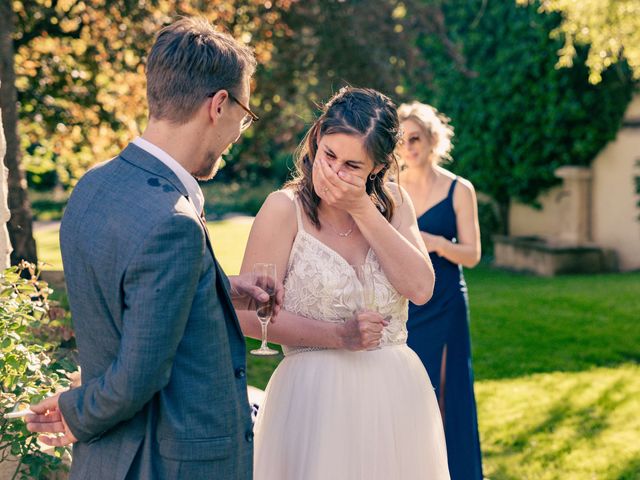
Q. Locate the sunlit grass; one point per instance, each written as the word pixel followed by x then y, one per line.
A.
pixel 48 247
pixel 569 426
pixel 228 237
pixel 556 362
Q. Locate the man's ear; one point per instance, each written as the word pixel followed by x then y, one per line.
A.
pixel 217 105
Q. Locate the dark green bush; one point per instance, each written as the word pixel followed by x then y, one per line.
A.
pixel 516 116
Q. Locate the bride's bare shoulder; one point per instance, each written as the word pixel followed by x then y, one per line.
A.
pixel 404 213
pixel 279 207
pixel 400 196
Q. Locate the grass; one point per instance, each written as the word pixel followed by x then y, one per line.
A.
pixel 569 426
pixel 523 324
pixel 556 364
pixel 228 236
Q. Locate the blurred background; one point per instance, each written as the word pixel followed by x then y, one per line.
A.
pixel 544 99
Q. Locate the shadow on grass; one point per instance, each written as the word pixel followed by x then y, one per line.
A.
pixel 629 471
pixel 589 420
pixel 552 421
pixel 501 473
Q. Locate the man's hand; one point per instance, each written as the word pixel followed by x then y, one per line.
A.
pixel 363 331
pixel 246 295
pixel 49 419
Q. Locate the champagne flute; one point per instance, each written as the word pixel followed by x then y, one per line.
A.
pixel 364 273
pixel 264 276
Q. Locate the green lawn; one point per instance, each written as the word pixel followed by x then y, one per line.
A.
pixel 556 363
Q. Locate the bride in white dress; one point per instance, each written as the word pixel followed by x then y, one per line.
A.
pixel 350 400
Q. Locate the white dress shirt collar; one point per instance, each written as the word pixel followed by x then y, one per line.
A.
pixel 191 184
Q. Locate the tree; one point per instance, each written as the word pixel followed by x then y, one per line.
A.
pixel 80 69
pixel 5 213
pixel 73 82
pixel 520 117
pixel 20 225
pixel 611 28
pixel 323 45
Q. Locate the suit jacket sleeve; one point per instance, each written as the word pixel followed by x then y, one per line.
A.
pixel 159 285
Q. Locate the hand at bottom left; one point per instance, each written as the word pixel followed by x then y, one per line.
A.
pixel 48 419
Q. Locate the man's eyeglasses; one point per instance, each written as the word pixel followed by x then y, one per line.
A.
pixel 249 118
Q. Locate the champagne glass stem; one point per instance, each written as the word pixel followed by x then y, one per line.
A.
pixel 264 335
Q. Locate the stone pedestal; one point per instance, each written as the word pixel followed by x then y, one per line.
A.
pixel 543 257
pixel 575 224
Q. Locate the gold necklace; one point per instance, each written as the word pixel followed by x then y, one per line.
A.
pixel 342 234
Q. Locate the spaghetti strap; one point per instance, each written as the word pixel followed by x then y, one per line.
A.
pixel 452 187
pixel 298 212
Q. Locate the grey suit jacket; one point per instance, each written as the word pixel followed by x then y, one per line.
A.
pixel 163 392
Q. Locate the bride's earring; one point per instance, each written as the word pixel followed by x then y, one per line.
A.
pixel 372 176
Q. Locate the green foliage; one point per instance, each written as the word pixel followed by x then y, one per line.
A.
pixel 611 28
pixel 48 204
pixel 232 197
pixel 81 100
pixel 516 116
pixel 489 221
pixel 29 371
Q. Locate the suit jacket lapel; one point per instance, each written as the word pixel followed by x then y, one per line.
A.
pixel 221 287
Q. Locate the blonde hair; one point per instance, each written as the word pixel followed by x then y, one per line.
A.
pixel 434 124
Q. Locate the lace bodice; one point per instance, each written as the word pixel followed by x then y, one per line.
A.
pixel 320 284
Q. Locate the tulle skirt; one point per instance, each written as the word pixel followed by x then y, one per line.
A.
pixel 337 415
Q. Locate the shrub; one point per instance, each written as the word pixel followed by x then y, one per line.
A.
pixel 518 117
pixel 30 368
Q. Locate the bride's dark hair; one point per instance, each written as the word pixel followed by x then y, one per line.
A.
pixel 362 112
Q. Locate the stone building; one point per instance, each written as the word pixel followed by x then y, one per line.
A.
pixel 596 208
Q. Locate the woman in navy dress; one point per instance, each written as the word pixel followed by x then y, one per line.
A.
pixel 439 330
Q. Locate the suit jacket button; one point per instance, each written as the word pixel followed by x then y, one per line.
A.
pixel 240 373
pixel 249 436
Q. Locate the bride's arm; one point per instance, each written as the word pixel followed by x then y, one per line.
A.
pixel 270 241
pixel 399 246
pixel 359 333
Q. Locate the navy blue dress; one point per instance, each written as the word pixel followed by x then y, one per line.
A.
pixel 444 321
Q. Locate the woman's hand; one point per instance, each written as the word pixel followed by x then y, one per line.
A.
pixel 340 190
pixel 435 243
pixel 363 331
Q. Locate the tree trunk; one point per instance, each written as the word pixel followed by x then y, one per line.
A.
pixel 20 225
pixel 503 208
pixel 5 213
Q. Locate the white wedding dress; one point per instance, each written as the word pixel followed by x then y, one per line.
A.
pixel 342 415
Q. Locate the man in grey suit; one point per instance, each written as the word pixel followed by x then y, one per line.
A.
pixel 163 392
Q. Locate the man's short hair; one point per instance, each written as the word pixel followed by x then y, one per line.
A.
pixel 189 60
